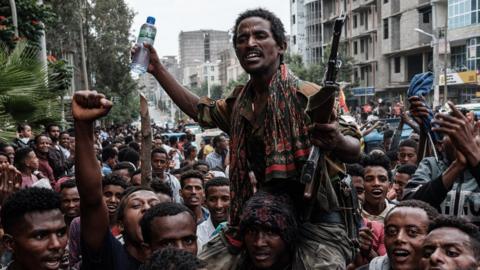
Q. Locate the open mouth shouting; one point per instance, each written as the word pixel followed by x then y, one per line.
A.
pixel 400 255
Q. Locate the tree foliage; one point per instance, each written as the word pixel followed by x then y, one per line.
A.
pixel 24 90
pixel 29 17
pixel 315 72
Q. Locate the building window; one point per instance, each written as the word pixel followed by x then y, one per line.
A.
pixel 459 58
pixel 426 16
pixel 293 1
pixel 473 53
pixel 362 46
pixel 293 19
pixel 385 28
pixel 385 1
pixel 396 64
pixel 361 18
pixel 463 13
pixel 354 21
pixel 294 40
pixel 212 68
pixel 212 78
pixel 355 49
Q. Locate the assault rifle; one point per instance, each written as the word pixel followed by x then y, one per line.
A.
pixel 310 174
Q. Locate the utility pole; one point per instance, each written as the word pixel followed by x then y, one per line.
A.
pixel 43 44
pixel 436 56
pixel 13 8
pixel 445 62
pixel 82 49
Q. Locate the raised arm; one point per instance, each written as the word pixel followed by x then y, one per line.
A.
pixel 88 106
pixel 185 100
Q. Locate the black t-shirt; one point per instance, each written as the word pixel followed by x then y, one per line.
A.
pixel 112 256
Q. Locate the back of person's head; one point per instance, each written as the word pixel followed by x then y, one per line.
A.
pixel 216 182
pixel 130 155
pixel 190 174
pixel 271 212
pixel 355 169
pixel 108 153
pixel 200 163
pixel 387 134
pixel 68 184
pixel 172 140
pixel 20 157
pixel 409 143
pixel 125 165
pixel 432 213
pixel 173 259
pixel 407 169
pixel 26 201
pixel 159 186
pixel 377 159
pixel 114 180
pixel 135 146
pixel 161 210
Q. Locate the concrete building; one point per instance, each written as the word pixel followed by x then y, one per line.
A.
pixel 297 43
pixel 463 34
pixel 196 47
pixel 386 49
pixel 230 68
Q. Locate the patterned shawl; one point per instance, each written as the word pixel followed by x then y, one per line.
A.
pixel 287 143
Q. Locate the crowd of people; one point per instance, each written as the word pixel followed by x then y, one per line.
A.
pixel 75 198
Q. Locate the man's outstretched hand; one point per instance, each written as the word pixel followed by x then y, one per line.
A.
pixel 89 106
pixel 154 61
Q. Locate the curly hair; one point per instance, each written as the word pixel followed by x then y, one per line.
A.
pixel 355 169
pixel 277 28
pixel 216 182
pixel 160 187
pixel 190 174
pixel 379 159
pixel 409 143
pixel 161 210
pixel 407 169
pixel 114 180
pixel 20 157
pixel 462 224
pixel 173 259
pixel 27 201
pixel 432 213
pixel 70 183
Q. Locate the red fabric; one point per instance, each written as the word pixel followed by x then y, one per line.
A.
pixel 46 170
pixel 378 244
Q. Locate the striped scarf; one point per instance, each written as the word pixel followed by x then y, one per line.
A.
pixel 286 138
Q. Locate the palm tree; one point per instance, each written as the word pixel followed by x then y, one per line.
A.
pixel 24 90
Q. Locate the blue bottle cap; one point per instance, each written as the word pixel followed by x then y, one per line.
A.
pixel 151 20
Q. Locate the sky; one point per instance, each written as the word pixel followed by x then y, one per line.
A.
pixel 173 16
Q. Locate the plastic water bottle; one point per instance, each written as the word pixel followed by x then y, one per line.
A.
pixel 142 56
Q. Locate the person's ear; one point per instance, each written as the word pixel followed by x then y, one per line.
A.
pixel 9 242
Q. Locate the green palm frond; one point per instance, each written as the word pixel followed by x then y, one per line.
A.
pixel 25 94
pixel 20 71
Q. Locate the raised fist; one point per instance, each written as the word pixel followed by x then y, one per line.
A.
pixel 89 105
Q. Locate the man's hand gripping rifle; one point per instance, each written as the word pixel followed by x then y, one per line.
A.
pixel 323 113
